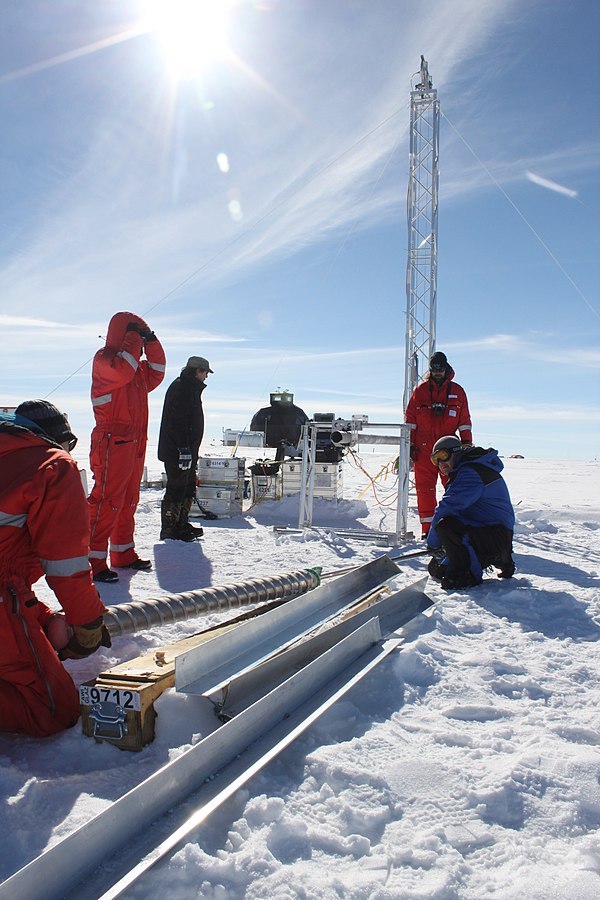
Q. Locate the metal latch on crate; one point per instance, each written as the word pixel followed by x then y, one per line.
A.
pixel 109 720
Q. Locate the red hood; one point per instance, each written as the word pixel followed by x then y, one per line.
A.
pixel 118 326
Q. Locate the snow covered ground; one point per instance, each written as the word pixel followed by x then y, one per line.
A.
pixel 465 766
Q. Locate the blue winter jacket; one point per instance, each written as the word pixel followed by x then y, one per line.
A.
pixel 476 493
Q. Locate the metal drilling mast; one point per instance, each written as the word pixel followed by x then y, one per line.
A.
pixel 422 212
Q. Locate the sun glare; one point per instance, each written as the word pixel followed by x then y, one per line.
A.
pixel 192 33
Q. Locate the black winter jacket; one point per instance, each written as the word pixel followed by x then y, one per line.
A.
pixel 182 423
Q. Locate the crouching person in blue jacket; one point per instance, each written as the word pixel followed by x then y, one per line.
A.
pixel 472 528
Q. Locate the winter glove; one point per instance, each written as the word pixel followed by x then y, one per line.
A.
pixel 86 639
pixel 149 336
pixel 133 326
pixel 185 458
pixel 414 452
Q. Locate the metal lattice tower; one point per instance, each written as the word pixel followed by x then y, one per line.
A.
pixel 422 212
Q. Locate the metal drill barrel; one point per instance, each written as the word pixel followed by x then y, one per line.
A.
pixel 127 618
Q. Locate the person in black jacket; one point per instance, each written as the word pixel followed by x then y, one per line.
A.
pixel 181 433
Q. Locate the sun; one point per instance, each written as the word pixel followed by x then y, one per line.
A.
pixel 192 33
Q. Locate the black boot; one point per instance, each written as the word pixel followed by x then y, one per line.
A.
pixel 436 568
pixel 185 526
pixel 459 580
pixel 169 518
pixel 507 568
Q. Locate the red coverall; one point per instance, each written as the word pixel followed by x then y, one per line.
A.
pixel 427 427
pixel 43 530
pixel 120 387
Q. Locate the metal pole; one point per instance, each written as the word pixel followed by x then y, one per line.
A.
pixel 403 471
pixel 309 452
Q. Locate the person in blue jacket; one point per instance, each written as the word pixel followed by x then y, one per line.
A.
pixel 472 528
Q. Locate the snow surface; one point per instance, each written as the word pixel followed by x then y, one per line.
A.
pixel 467 765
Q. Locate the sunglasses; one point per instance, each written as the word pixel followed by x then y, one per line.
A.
pixel 72 443
pixel 442 455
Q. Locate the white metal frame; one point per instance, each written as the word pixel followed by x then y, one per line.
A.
pixel 309 446
pixel 307 486
pixel 422 214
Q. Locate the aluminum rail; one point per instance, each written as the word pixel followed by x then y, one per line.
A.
pixel 202 670
pixel 411 555
pixel 382 538
pixel 128 618
pixel 393 611
pixel 284 735
pixel 69 869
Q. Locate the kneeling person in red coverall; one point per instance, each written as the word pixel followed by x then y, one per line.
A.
pixel 43 530
pixel 438 407
pixel 121 381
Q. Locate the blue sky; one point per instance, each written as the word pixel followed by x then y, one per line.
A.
pixel 254 210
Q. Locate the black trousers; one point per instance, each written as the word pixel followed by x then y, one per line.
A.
pixel 492 543
pixel 181 483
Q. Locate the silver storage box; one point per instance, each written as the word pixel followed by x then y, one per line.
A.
pixel 220 485
pixel 328 480
pixel 266 487
pixel 291 476
pixel 266 480
pixel 223 471
pixel 222 501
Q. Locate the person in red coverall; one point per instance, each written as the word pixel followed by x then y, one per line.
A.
pixel 121 381
pixel 438 407
pixel 43 531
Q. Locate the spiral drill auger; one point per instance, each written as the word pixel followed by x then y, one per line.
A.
pixel 139 615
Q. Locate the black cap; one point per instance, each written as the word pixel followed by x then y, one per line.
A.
pixel 49 419
pixel 438 361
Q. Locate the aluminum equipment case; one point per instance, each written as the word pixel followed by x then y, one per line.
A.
pixel 328 479
pixel 266 480
pixel 220 485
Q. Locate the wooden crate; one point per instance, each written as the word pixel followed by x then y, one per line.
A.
pixel 118 705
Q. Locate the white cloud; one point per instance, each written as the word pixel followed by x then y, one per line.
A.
pixel 550 185
pixel 535 412
pixel 467 178
pixel 553 350
pixel 24 322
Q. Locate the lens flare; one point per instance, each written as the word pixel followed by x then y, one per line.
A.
pixel 223 163
pixel 192 33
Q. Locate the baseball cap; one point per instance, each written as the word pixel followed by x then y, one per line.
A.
pixel 199 362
